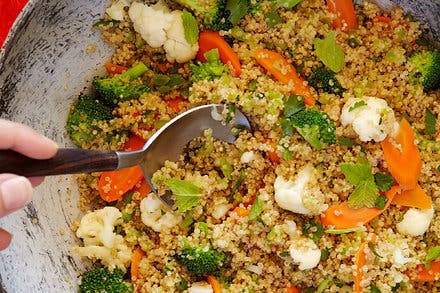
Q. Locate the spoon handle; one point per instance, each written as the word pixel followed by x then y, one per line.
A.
pixel 65 161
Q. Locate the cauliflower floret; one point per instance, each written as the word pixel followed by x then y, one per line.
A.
pixel 116 10
pixel 415 221
pixel 155 215
pixel 200 287
pixel 176 46
pixel 371 118
pixel 160 27
pixel 300 196
pixel 100 242
pixel 305 253
pixel 151 22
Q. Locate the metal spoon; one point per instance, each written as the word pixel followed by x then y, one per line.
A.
pixel 167 143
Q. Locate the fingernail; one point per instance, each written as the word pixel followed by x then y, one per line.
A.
pixel 15 193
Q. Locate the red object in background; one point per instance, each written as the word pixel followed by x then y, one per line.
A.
pixel 9 9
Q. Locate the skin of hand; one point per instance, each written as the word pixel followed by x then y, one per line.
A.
pixel 16 191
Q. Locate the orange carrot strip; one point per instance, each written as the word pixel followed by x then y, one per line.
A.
pixel 422 274
pixel 345 14
pixel 137 256
pixel 113 185
pixel 174 103
pixel 115 68
pixel 384 19
pixel 342 216
pixel 415 198
pixel 404 163
pixel 292 289
pixel 241 211
pixel 272 155
pixel 360 261
pixel 143 188
pixel 284 72
pixel 209 40
pixel 214 284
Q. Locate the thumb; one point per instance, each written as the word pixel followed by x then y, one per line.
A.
pixel 15 192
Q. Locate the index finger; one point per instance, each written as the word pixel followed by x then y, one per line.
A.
pixel 25 140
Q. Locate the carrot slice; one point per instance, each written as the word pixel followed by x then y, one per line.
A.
pixel 404 163
pixel 284 72
pixel 241 211
pixel 422 274
pixel 209 40
pixel 137 256
pixel 272 155
pixel 345 15
pixel 174 104
pixel 360 261
pixel 292 289
pixel 342 216
pixel 143 188
pixel 381 18
pixel 415 198
pixel 115 68
pixel 214 284
pixel 113 185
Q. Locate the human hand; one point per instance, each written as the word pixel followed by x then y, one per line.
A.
pixel 16 191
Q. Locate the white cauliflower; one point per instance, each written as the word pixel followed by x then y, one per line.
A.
pixel 415 221
pixel 116 10
pixel 100 242
pixel 176 46
pixel 301 196
pixel 200 287
pixel 370 117
pixel 305 253
pixel 160 27
pixel 155 215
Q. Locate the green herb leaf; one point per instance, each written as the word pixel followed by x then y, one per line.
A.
pixel 293 105
pixel 430 120
pixel 345 141
pixel 329 52
pixel 190 27
pixel 203 227
pixel 381 202
pixel 356 105
pixel 384 181
pixel 433 253
pixel 344 231
pixel 313 230
pixel 324 254
pixel 238 9
pixel 284 254
pixel 373 287
pixel 323 285
pixel 288 3
pixel 256 209
pixel 187 194
pixel 356 173
pixel 373 249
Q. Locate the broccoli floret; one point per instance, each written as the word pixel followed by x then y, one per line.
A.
pixel 82 118
pixel 214 14
pixel 103 280
pixel 315 126
pixel 210 70
pixel 323 79
pixel 201 260
pixel 121 87
pixel 427 64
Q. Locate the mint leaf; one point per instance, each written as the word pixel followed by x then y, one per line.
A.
pixel 293 105
pixel 256 209
pixel 384 181
pixel 329 52
pixel 430 119
pixel 356 173
pixel 187 194
pixel 287 3
pixel 364 194
pixel 433 253
pixel 190 27
pixel 381 202
pixel 238 9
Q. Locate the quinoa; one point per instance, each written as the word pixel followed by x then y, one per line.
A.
pixel 258 249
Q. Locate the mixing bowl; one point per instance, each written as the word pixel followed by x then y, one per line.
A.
pixel 49 57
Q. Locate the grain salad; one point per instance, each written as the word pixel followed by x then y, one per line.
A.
pixel 335 189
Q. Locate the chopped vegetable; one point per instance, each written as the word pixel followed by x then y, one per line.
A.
pixel 415 198
pixel 384 181
pixel 344 231
pixel 432 254
pixel 137 256
pixel 360 262
pixel 323 79
pixel 344 12
pixel 212 69
pixel 422 274
pixel 209 40
pixel 201 260
pixel 427 64
pixel 104 280
pixel 256 208
pixel 187 194
pixel 241 211
pixel 342 216
pixel 284 72
pixel 404 162
pixel 292 289
pixel 329 52
pixel 113 69
pixel 382 18
pixel 430 120
pixel 190 27
pixel 216 288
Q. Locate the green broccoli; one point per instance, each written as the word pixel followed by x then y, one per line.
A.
pixel 213 12
pixel 201 260
pixel 427 64
pixel 121 87
pixel 323 79
pixel 103 280
pixel 210 70
pixel 82 118
pixel 315 126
